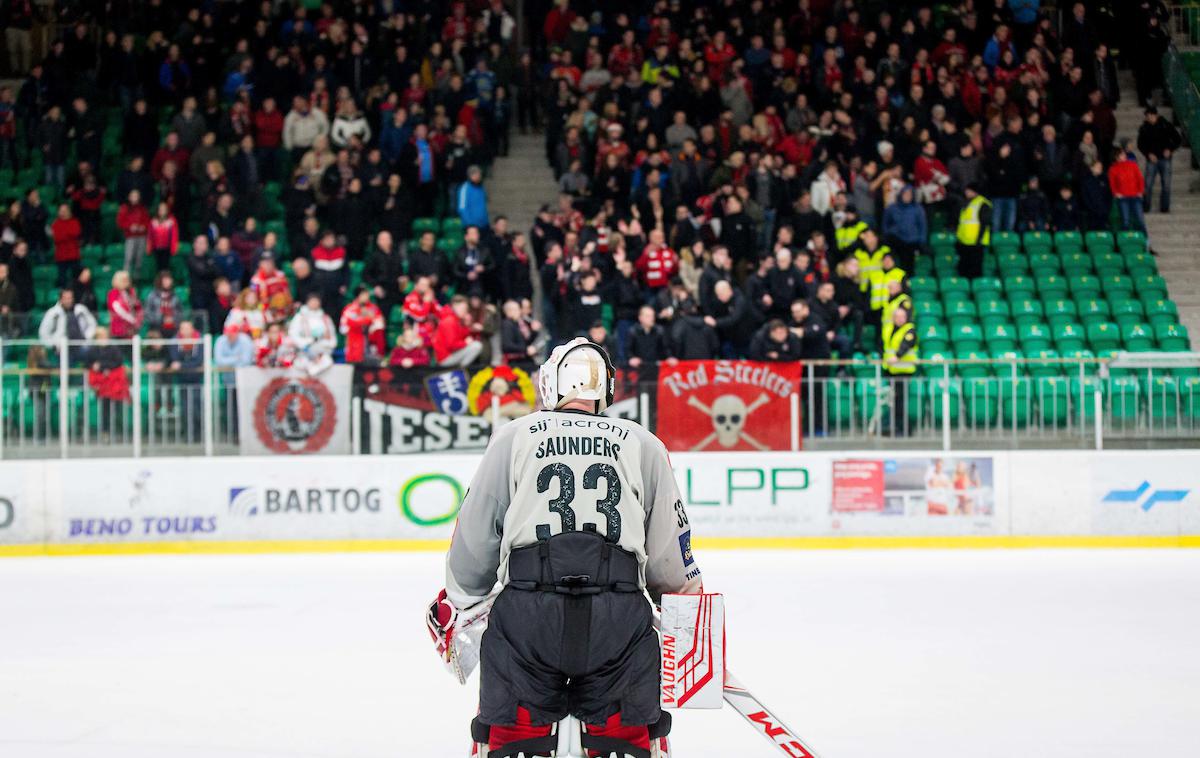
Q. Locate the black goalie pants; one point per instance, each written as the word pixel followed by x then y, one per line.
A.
pixel 571 634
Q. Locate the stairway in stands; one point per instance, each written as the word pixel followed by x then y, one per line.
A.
pixel 521 181
pixel 1175 236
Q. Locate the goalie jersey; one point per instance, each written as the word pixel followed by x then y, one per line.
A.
pixel 558 471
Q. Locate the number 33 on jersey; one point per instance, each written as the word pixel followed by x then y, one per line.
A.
pixel 562 471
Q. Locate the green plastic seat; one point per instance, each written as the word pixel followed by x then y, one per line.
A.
pixel 960 308
pixel 936 387
pixel 1084 284
pixel 1052 286
pixel 1074 264
pixel 425 224
pixel 1108 264
pixel 928 309
pixel 1098 242
pixel 1082 395
pixel 977 363
pixel 932 331
pixel 1060 310
pixel 1140 264
pixel 967 336
pixel 1131 242
pixel 1172 337
pixel 923 266
pixel 1114 285
pixel 1189 396
pixel 942 241
pixel 923 286
pixel 1104 335
pixel 986 285
pixel 1162 399
pixel 1052 399
pixel 1138 337
pixel 954 284
pixel 1037 242
pixel 1016 406
pixel 1044 263
pixel 452 225
pixel 1019 285
pixel 994 309
pixel 1069 337
pixel 448 244
pixel 945 264
pixel 1127 309
pixel 1027 311
pixel 1161 312
pixel 1011 264
pixel 981 396
pixel 1006 242
pixel 1092 309
pixel 1035 337
pixel 1068 243
pixel 933 359
pixel 1000 336
pixel 1150 286
pixel 1124 399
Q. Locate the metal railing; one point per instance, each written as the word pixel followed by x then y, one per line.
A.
pixel 1184 25
pixel 1185 98
pixel 51 407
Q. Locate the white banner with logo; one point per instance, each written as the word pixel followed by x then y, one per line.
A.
pixel 289 412
pixel 756 495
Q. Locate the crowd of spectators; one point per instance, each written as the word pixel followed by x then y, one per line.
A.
pixel 758 179
pixel 737 179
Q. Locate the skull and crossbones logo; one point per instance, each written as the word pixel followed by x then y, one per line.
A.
pixel 728 414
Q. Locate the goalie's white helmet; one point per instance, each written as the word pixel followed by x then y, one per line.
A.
pixel 578 370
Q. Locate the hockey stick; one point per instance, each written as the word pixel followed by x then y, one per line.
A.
pixel 763 721
pixel 735 693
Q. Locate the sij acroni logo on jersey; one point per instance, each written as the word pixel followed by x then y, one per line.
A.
pixel 685 548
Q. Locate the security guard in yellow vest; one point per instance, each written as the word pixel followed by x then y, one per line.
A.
pixel 897 298
pixel 846 236
pixel 900 356
pixel 870 254
pixel 974 233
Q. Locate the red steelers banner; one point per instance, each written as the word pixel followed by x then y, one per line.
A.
pixel 726 405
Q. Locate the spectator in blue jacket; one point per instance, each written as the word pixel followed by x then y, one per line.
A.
pixel 472 200
pixel 905 227
pixel 232 350
pixel 996 46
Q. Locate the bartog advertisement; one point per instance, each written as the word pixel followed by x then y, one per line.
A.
pixel 244 500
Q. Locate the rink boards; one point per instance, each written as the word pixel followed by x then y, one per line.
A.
pixel 737 500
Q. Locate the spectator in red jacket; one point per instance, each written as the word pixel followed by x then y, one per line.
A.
pixel 67 234
pixel 658 263
pixel 411 349
pixel 362 323
pixel 124 307
pixel 134 222
pixel 171 150
pixel 268 137
pixel 88 200
pixel 454 344
pixel 1127 185
pixel 163 237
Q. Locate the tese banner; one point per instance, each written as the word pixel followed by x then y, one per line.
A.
pixel 726 405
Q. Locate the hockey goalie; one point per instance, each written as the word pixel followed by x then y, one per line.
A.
pixel 578 518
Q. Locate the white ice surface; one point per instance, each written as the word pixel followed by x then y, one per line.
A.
pixel 865 654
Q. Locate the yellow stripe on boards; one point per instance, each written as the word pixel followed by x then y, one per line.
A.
pixel 701 543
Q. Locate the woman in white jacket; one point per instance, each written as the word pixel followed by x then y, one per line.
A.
pixel 348 124
pixel 826 187
pixel 313 334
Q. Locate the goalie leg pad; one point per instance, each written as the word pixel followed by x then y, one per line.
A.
pixel 522 738
pixel 612 738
